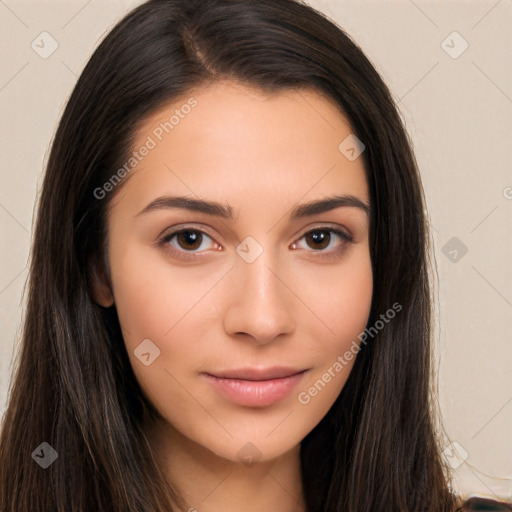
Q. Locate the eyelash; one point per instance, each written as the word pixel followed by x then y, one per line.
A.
pixel 189 256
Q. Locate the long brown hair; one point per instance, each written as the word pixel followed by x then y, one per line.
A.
pixel 377 448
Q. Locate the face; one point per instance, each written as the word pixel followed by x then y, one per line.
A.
pixel 240 302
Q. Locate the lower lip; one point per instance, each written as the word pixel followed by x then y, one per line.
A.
pixel 255 393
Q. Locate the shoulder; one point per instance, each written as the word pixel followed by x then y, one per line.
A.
pixel 484 504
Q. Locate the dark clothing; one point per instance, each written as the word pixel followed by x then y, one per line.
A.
pixel 484 504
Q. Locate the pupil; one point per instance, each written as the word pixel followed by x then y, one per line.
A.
pixel 321 237
pixel 190 238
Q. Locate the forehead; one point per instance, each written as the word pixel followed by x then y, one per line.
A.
pixel 233 141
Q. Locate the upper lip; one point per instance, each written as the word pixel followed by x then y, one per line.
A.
pixel 274 372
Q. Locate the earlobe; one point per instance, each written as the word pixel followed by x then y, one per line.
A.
pixel 102 295
pixel 101 288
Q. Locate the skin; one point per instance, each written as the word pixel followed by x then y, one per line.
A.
pixel 263 155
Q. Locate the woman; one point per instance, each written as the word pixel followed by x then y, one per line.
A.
pixel 229 303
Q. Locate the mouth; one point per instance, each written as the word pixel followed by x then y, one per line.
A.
pixel 255 387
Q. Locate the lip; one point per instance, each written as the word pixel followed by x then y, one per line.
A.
pixel 255 387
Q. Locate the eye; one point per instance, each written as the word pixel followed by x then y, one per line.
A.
pixel 189 243
pixel 320 239
pixel 186 243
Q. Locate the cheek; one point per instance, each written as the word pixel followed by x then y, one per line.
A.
pixel 152 297
pixel 350 309
pixel 164 305
pixel 341 300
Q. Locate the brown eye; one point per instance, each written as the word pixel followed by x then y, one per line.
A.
pixel 326 241
pixel 189 240
pixel 318 239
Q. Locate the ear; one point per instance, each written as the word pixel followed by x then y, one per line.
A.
pixel 101 287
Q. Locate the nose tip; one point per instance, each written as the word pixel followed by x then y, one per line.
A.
pixel 260 305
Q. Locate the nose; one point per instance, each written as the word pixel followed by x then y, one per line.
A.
pixel 260 305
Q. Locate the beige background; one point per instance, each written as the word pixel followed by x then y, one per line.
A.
pixel 458 110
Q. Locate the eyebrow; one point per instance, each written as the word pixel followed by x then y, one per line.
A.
pixel 226 212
